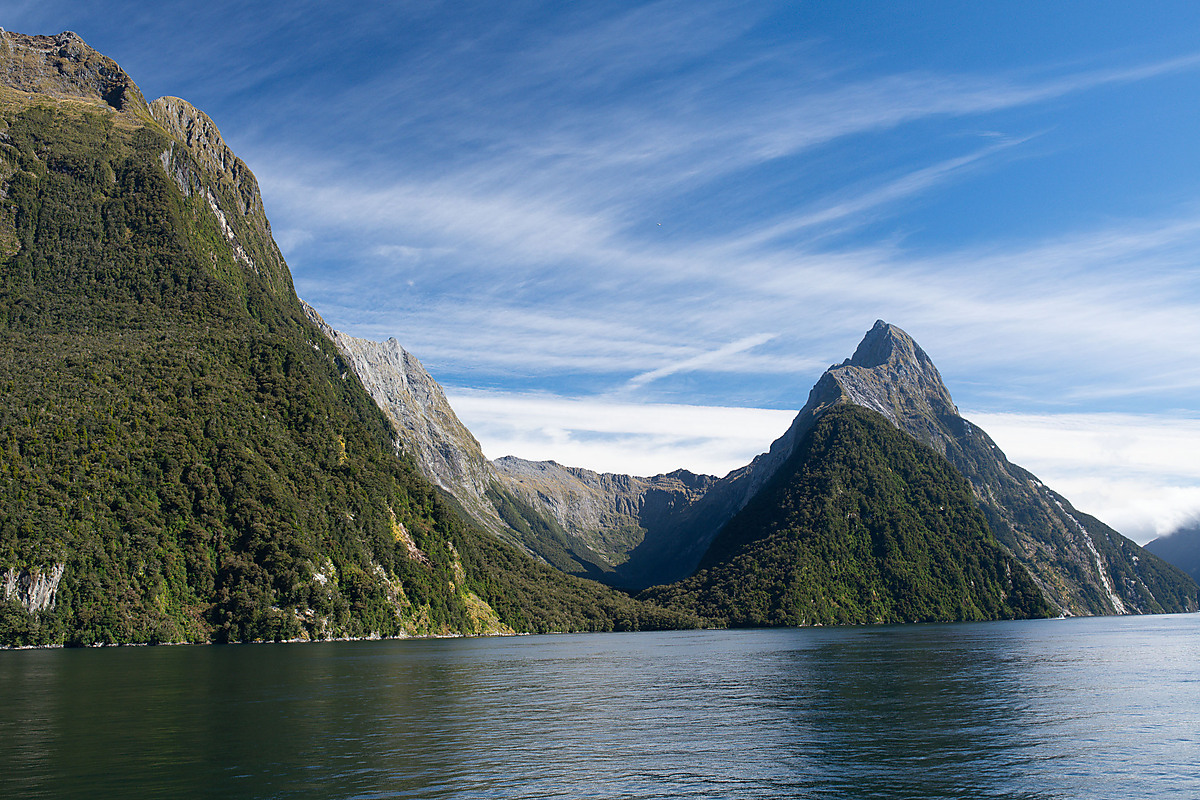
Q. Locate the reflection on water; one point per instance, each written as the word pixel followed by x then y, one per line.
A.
pixel 1051 709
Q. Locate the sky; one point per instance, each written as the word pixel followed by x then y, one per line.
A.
pixel 631 236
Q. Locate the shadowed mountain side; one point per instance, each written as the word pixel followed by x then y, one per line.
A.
pixel 862 524
pixel 1181 548
pixel 611 515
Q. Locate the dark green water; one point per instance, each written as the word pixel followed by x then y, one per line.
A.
pixel 1085 708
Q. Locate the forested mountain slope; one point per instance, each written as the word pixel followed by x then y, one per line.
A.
pixel 184 455
pixel 862 524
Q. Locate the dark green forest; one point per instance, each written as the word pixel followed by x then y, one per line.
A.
pixel 863 524
pixel 176 433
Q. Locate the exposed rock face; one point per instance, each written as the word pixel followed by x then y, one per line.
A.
pixel 64 66
pixel 33 588
pixel 891 375
pixel 444 450
pixel 1080 564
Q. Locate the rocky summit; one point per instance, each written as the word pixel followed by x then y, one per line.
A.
pixel 64 67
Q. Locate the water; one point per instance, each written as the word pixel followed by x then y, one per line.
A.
pixel 1084 708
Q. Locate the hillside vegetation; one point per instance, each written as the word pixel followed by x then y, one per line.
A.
pixel 185 448
pixel 863 524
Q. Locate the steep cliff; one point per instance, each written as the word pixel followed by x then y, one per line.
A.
pixel 444 450
pixel 580 521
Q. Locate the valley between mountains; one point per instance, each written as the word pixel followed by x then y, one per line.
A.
pixel 190 453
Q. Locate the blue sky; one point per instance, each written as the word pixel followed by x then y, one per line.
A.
pixel 631 236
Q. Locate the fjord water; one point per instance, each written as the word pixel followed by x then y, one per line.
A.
pixel 1087 708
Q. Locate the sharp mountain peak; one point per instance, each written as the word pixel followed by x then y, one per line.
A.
pixel 883 343
pixel 891 374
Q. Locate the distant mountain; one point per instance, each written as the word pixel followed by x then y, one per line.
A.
pixel 1181 548
pixel 184 454
pixel 861 524
pixel 600 519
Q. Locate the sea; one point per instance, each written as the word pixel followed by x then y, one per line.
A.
pixel 1073 708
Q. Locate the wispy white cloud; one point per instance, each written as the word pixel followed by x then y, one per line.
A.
pixel 701 360
pixel 1074 301
pixel 855 206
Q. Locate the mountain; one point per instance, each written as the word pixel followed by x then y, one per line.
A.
pixel 861 524
pixel 184 454
pixel 1082 565
pixel 1181 548
pixel 637 532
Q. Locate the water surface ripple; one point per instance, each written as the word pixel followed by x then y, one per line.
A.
pixel 1083 708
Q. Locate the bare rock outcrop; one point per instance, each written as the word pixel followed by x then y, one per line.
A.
pixel 34 588
pixel 64 66
pixel 444 450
